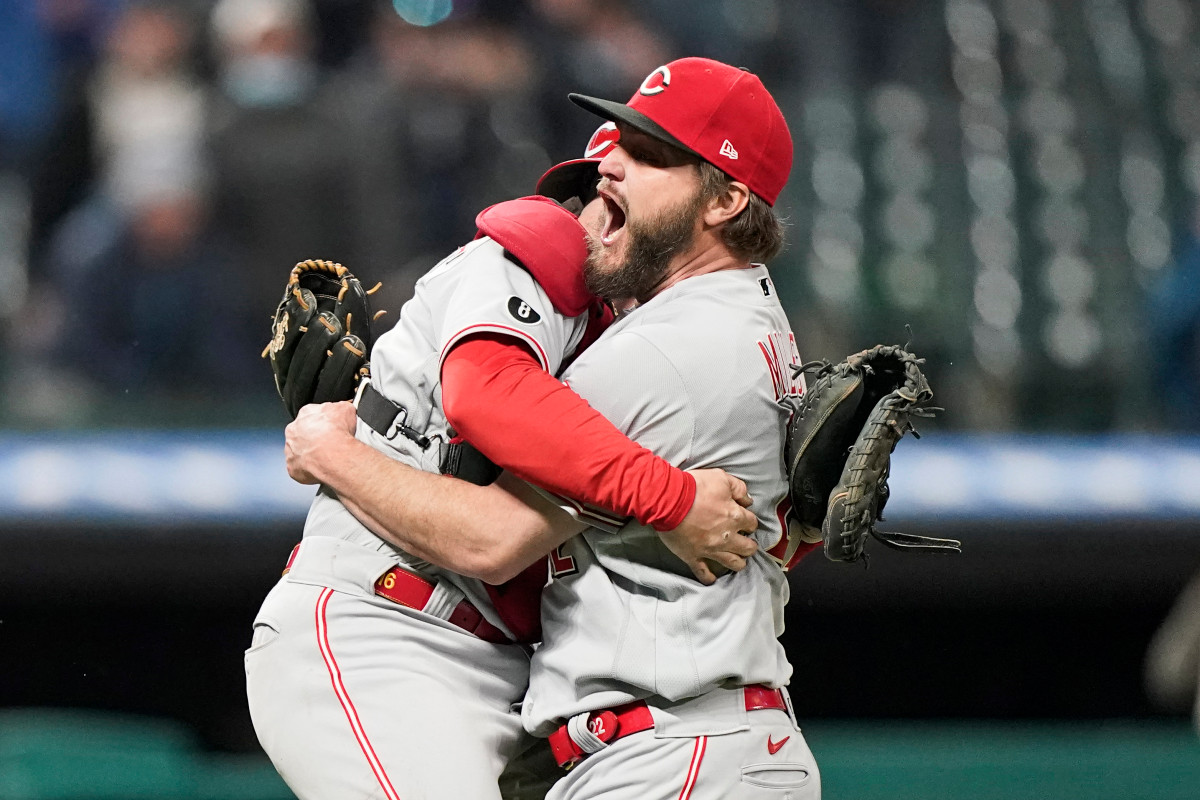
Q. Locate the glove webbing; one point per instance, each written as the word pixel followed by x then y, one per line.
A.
pixel 894 539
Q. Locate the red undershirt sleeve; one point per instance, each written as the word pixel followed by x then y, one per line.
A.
pixel 497 396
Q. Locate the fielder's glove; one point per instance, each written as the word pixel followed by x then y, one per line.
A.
pixel 839 446
pixel 321 335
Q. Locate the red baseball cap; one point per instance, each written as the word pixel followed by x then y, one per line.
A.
pixel 720 113
pixel 578 177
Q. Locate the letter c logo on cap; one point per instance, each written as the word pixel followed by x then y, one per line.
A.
pixel 602 140
pixel 656 81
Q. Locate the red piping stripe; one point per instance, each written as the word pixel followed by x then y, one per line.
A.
pixel 694 767
pixel 486 326
pixel 343 696
pixel 592 512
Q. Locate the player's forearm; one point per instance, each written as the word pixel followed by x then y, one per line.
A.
pixel 478 531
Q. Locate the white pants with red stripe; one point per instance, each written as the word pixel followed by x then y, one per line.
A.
pixel 353 696
pixel 755 755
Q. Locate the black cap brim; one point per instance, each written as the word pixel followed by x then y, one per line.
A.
pixel 619 112
pixel 569 179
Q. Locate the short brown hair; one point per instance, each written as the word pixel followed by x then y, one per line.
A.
pixel 757 233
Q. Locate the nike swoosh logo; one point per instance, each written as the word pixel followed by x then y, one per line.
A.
pixel 773 747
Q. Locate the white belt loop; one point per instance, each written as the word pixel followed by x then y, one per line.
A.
pixel 445 598
pixel 791 711
pixel 362 385
pixel 577 729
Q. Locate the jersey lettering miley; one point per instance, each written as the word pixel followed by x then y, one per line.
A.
pixel 475 289
pixel 699 375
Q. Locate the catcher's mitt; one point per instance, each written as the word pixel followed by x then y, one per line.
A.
pixel 321 335
pixel 839 446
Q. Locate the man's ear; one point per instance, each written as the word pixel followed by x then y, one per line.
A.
pixel 728 204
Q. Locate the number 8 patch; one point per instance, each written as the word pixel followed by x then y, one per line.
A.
pixel 522 312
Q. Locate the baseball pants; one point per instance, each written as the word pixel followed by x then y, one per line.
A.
pixel 353 696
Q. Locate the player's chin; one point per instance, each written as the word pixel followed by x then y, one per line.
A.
pixel 601 262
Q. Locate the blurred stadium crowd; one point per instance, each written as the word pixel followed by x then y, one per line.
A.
pixel 1010 183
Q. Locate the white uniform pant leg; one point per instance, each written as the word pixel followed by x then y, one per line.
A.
pixel 730 766
pixel 353 697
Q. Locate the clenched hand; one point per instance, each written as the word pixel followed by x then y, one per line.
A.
pixel 308 437
pixel 712 538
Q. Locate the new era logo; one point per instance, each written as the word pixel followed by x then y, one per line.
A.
pixel 728 151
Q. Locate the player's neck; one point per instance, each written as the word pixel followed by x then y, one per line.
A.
pixel 699 261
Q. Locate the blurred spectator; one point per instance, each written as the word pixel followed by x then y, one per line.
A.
pixel 27 82
pixel 142 312
pixel 439 124
pixel 60 160
pixel 860 43
pixel 821 44
pixel 334 129
pixel 147 105
pixel 342 29
pixel 1173 320
pixel 27 107
pixel 594 47
pixel 280 169
pixel 125 305
pixel 46 47
pixel 741 32
pixel 154 310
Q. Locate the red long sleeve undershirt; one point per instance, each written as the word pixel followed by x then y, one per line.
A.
pixel 497 396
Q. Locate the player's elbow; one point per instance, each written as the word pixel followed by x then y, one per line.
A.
pixel 501 533
pixel 498 574
pixel 493 571
pixel 500 563
pixel 513 543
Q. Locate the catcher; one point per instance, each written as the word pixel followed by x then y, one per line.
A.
pixel 839 446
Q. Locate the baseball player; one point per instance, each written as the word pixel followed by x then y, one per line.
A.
pixel 648 684
pixel 373 673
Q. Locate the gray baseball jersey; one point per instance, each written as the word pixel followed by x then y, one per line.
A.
pixel 704 382
pixel 476 289
pixel 353 695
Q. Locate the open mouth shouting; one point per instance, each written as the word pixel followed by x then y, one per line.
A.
pixel 614 220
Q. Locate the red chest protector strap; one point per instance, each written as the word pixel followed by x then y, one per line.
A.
pixel 548 241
